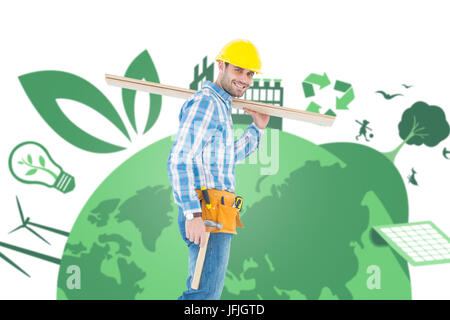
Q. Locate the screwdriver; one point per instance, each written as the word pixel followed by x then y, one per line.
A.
pixel 206 197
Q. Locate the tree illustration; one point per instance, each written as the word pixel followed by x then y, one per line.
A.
pixel 421 124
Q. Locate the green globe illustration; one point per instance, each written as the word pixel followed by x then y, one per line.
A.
pixel 308 228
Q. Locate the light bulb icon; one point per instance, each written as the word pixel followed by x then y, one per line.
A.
pixel 30 162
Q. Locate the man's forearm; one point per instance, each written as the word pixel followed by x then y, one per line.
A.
pixel 248 142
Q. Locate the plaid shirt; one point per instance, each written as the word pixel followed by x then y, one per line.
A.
pixel 204 152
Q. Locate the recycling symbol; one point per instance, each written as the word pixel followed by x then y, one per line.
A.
pixel 323 81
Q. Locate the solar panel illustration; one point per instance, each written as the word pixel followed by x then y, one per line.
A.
pixel 419 243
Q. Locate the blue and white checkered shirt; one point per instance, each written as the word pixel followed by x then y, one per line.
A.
pixel 204 152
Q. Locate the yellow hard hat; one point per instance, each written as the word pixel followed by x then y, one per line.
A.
pixel 241 53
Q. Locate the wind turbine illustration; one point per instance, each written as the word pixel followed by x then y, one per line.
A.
pixel 26 222
pixel 27 252
pixel 13 264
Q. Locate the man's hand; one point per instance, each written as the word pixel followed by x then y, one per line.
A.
pixel 260 119
pixel 195 231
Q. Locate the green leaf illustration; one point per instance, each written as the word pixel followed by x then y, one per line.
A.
pixel 19 162
pixel 29 159
pixel 42 161
pixel 44 87
pixel 31 172
pixel 142 68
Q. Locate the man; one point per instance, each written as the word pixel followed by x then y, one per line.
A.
pixel 204 154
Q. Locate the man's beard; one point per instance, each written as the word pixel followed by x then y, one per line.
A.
pixel 228 87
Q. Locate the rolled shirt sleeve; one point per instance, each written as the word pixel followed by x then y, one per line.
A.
pixel 247 143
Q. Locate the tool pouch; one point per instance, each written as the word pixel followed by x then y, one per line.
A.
pixel 222 212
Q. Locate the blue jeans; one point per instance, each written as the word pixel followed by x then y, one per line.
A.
pixel 214 268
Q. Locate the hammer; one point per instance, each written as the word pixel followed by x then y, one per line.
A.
pixel 211 225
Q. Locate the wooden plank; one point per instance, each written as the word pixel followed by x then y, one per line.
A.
pixel 177 92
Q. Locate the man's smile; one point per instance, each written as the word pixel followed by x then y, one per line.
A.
pixel 239 85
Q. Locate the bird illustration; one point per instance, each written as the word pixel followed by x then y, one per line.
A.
pixel 388 96
pixel 412 177
pixel 25 222
pixel 406 86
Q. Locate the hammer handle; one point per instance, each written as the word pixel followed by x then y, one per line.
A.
pixel 199 264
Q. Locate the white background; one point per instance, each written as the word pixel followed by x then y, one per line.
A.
pixel 376 45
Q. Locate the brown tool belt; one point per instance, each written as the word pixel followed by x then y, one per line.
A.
pixel 225 212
